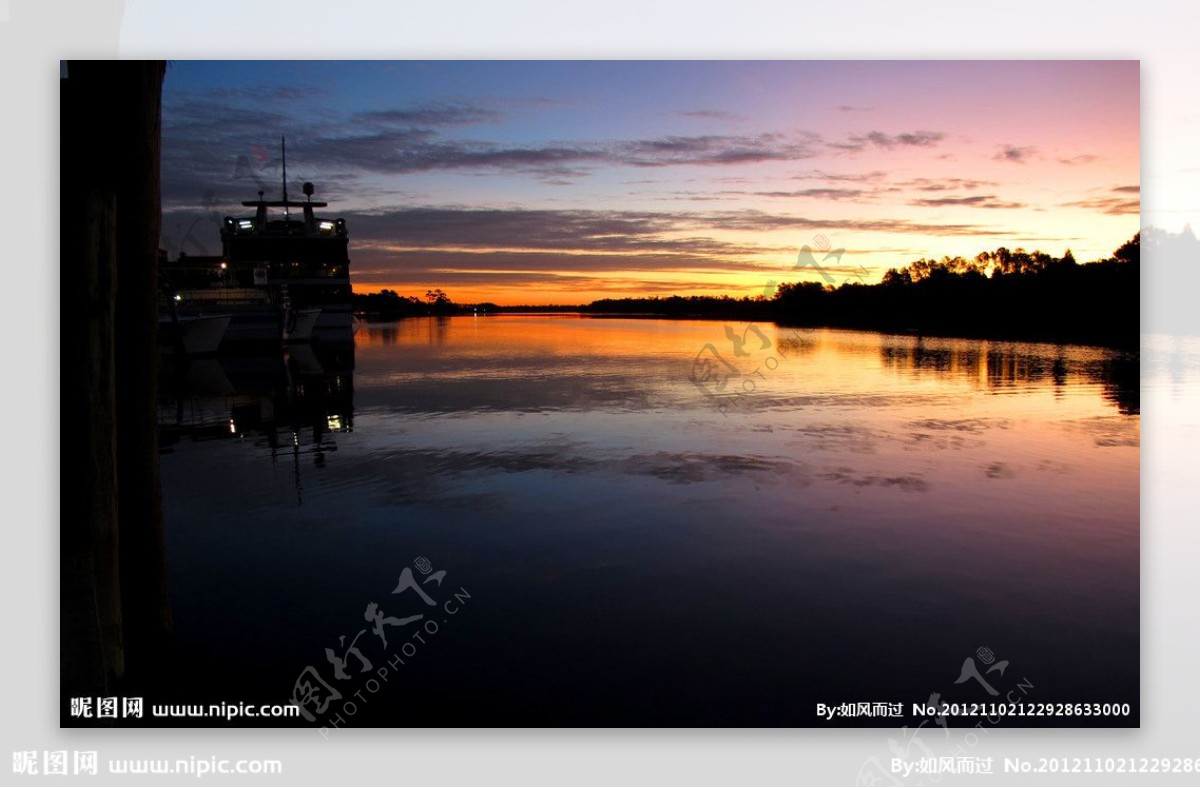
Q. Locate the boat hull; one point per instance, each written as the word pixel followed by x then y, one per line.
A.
pixel 194 334
pixel 300 325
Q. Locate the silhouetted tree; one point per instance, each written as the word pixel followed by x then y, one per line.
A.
pixel 894 278
pixel 1130 251
pixel 1030 294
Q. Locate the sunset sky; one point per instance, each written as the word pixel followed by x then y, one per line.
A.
pixel 562 182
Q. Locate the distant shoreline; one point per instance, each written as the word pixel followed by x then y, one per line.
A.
pixel 1002 295
pixel 1110 344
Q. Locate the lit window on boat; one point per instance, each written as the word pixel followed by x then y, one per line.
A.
pixel 335 423
pixel 245 224
pixel 326 227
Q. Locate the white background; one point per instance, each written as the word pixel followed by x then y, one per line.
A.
pixel 35 35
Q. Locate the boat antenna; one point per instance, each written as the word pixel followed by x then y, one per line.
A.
pixel 283 148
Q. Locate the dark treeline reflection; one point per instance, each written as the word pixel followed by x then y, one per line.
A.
pixel 291 402
pixel 1014 365
pixel 431 331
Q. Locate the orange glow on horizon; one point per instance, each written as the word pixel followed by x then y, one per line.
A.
pixel 543 294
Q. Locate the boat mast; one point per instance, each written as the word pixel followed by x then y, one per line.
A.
pixel 283 147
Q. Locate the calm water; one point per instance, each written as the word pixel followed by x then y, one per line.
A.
pixel 639 548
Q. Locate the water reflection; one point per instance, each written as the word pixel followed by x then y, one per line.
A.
pixel 433 331
pixel 1010 365
pixel 291 404
pixel 640 557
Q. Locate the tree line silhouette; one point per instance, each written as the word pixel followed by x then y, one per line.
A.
pixel 1003 294
pixel 390 305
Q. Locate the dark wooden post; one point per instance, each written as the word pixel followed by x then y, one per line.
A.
pixel 136 108
pixel 113 581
